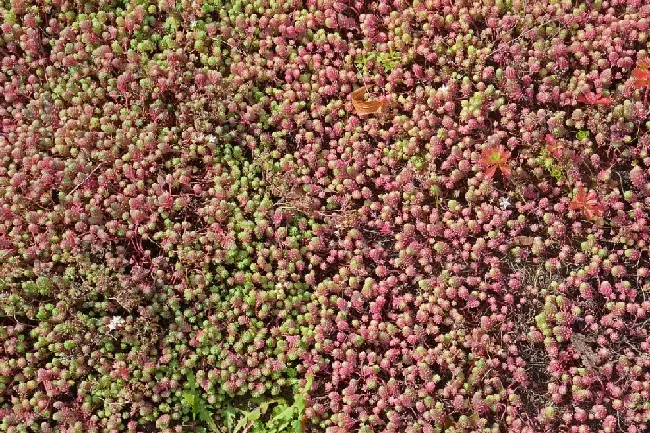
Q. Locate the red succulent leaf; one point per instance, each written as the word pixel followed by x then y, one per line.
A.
pixel 493 158
pixel 641 74
pixel 587 202
pixel 489 172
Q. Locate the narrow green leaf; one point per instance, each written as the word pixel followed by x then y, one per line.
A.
pixel 310 382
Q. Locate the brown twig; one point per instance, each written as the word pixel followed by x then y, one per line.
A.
pixel 523 34
pixel 87 177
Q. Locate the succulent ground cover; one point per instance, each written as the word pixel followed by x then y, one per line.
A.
pixel 352 216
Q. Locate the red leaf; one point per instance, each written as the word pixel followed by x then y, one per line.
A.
pixel 493 158
pixel 587 202
pixel 489 172
pixel 592 98
pixel 641 74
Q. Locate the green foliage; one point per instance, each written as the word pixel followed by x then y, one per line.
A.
pixel 265 415
pixel 283 418
pixel 388 61
pixel 198 407
pixel 551 165
pixel 581 135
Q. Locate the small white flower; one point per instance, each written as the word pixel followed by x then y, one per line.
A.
pixel 504 202
pixel 115 323
pixel 444 89
pixel 212 139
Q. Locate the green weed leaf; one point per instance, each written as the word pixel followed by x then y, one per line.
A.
pixel 229 415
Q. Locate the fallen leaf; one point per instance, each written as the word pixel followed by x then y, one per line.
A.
pixel 592 98
pixel 523 240
pixel 587 354
pixel 361 106
pixel 641 74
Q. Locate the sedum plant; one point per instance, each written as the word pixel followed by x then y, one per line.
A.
pixel 203 210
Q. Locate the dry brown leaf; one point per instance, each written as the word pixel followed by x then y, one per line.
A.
pixel 523 240
pixel 361 106
pixel 587 354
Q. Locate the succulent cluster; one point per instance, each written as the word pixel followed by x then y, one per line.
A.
pixel 436 209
